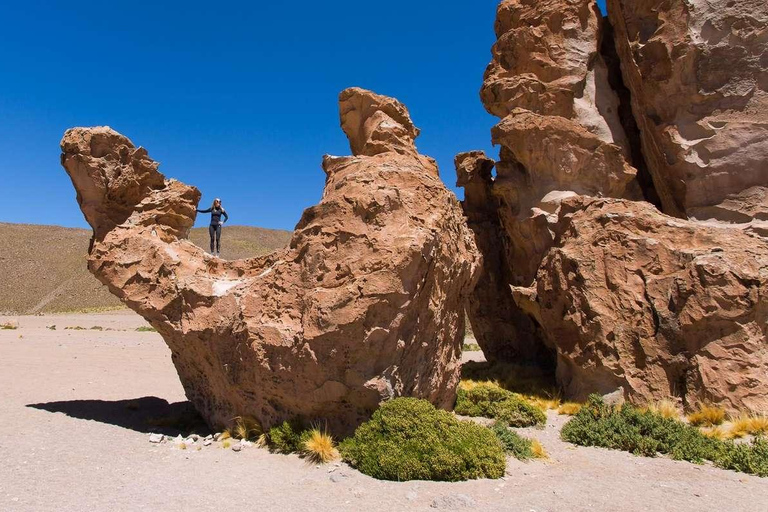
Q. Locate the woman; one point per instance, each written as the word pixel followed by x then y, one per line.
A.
pixel 214 230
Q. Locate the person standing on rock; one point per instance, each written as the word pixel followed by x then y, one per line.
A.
pixel 214 230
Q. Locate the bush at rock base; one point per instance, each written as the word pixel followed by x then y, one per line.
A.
pixel 408 439
pixel 491 401
pixel 644 432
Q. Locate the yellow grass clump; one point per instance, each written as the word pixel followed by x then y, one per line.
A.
pixel 538 450
pixel 569 408
pixel 226 443
pixel 665 408
pixel 750 425
pixel 469 384
pixel 319 447
pixel 707 416
pixel 246 427
pixel 718 433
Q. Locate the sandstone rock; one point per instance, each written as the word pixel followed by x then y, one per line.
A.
pixel 698 73
pixel 662 307
pixel 364 305
pixel 503 332
pixel 561 135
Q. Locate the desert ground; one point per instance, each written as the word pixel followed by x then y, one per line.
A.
pixel 75 421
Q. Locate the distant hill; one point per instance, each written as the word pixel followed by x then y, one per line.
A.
pixel 43 268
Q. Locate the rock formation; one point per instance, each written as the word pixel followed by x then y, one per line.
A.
pixel 619 293
pixel 662 307
pixel 698 74
pixel 365 304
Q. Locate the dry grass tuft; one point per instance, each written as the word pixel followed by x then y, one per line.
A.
pixel 246 427
pixel 718 433
pixel 707 416
pixel 538 450
pixel 569 408
pixel 226 443
pixel 9 326
pixel 665 408
pixel 750 425
pixel 319 447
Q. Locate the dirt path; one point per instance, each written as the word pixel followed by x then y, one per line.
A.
pixel 73 437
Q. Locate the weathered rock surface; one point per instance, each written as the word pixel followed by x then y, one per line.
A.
pixel 624 296
pixel 662 307
pixel 560 135
pixel 364 305
pixel 698 73
pixel 495 317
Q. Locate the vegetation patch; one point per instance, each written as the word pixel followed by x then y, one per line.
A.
pixel 145 328
pixel 516 445
pixel 408 439
pixel 471 347
pixel 288 437
pixel 9 326
pixel 644 432
pixel 707 417
pixel 569 408
pixel 749 425
pixel 491 401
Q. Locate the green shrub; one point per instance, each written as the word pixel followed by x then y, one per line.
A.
pixel 514 444
pixel 644 432
pixel 746 458
pixel 288 437
pixel 408 439
pixel 491 401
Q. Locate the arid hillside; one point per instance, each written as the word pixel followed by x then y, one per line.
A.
pixel 43 268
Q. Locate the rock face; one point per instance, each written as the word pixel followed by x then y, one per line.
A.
pixel 698 73
pixel 365 304
pixel 560 135
pixel 659 306
pixel 575 263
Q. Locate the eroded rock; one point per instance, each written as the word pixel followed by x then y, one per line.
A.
pixel 634 299
pixel 698 73
pixel 364 305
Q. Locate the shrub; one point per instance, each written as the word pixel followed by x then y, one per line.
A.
pixel 491 401
pixel 288 437
pixel 514 444
pixel 645 432
pixel 319 447
pixel 408 439
pixel 746 458
pixel 707 417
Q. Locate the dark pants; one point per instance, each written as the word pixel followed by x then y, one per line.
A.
pixel 215 232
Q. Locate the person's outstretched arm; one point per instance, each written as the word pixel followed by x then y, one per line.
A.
pixel 224 213
pixel 205 211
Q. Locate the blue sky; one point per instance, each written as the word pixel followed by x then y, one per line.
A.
pixel 236 98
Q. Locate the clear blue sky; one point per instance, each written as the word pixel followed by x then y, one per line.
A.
pixel 236 98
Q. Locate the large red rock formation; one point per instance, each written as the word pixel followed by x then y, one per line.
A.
pixel 364 305
pixel 698 73
pixel 623 295
pixel 662 307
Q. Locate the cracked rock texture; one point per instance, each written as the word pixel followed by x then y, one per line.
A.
pixel 364 305
pixel 698 74
pixel 660 306
pixel 577 260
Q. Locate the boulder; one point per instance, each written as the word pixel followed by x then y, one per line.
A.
pixel 365 304
pixel 632 298
pixel 698 74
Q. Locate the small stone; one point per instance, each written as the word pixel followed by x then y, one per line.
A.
pixel 194 437
pixel 156 438
pixel 217 436
pixel 237 447
pixel 338 477
pixel 451 501
pixel 207 442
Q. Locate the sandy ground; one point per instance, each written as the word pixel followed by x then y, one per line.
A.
pixel 73 436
